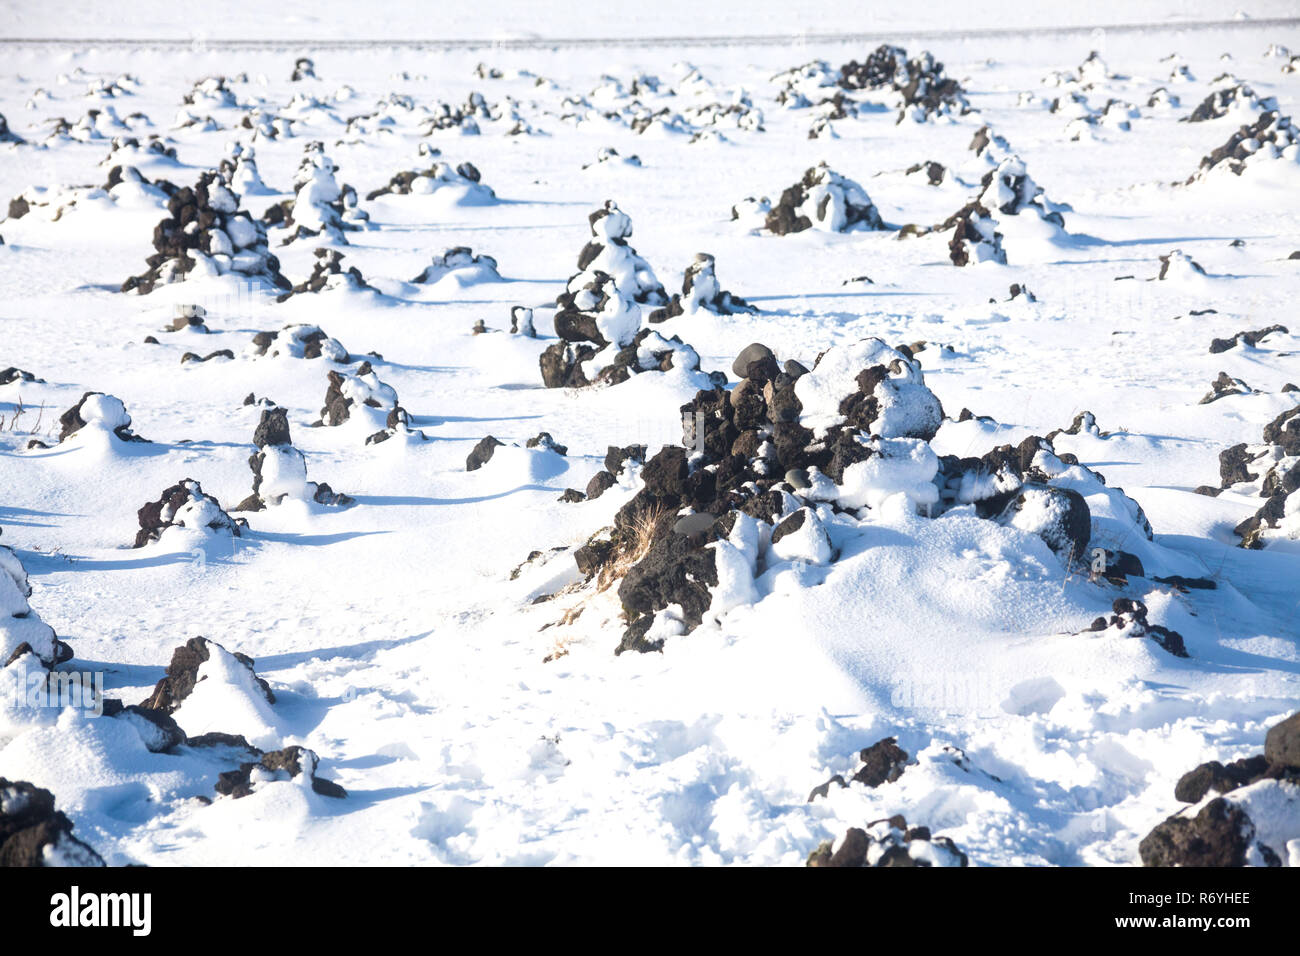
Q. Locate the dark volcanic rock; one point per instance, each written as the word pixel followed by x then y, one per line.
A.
pixel 33 833
pixel 889 843
pixel 482 453
pixel 182 674
pixel 1218 835
pixel 184 505
pixel 1282 744
pixel 287 764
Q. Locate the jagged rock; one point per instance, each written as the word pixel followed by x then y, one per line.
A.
pixel 544 441
pixel 482 453
pixel 1249 338
pixel 1219 835
pixel 1282 743
pixel 1223 387
pixel 183 674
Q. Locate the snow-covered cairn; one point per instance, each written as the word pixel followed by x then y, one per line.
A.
pixel 462 183
pixel 240 170
pixel 764 468
pixel 1237 97
pixel 320 206
pixel 922 87
pixel 280 470
pixel 361 394
pixel 98 413
pixel 609 252
pixel 823 199
pixel 468 268
pixel 602 341
pixel 185 505
pixel 1272 137
pixel 701 292
pixel 300 341
pixel 1270 470
pixel 206 234
pixel 327 273
pixel 22 632
pixel 1008 190
pixel 1011 191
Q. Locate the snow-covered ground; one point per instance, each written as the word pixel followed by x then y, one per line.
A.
pixel 471 722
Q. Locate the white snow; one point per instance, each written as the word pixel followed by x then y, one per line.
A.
pixel 471 721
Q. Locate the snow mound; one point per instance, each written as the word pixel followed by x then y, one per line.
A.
pixel 462 267
pixel 22 631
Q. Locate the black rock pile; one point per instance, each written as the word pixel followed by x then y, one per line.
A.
pixel 786 442
pixel 184 505
pixel 461 259
pixel 327 272
pixel 1263 139
pixel 923 87
pixel 823 199
pixel 205 233
pixel 349 393
pixel 1250 339
pixel 1130 620
pixel 609 251
pixel 100 411
pixel 300 341
pixel 22 632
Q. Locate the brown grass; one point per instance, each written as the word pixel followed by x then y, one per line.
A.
pixel 638 542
